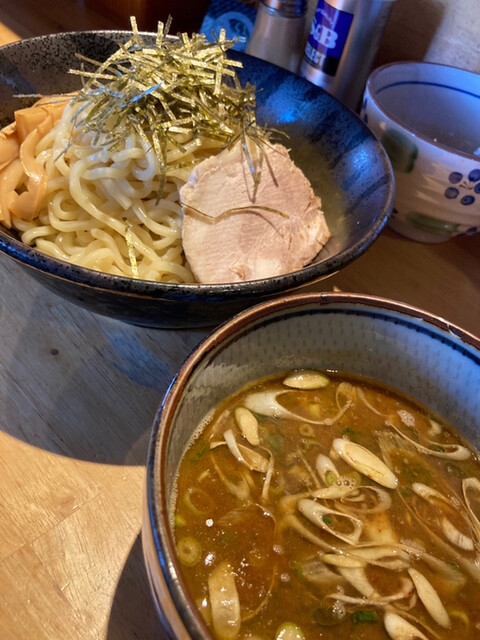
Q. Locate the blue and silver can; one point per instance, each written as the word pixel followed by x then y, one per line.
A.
pixel 342 44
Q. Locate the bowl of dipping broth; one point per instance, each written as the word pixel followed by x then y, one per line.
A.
pixel 313 471
pixel 97 215
pixel 427 118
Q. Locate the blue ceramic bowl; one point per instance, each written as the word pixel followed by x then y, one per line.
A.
pixel 345 163
pixel 401 346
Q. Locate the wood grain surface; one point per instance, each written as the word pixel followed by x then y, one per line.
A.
pixel 78 394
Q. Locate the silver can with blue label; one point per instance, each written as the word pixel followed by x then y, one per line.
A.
pixel 342 44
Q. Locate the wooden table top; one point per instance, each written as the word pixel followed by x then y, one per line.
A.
pixel 78 394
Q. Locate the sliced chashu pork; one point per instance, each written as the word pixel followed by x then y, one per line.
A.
pixel 222 245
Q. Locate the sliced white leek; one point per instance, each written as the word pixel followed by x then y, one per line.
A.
pixel 399 629
pixel 437 449
pixel 326 469
pixel 450 574
pixel 427 493
pixel 451 533
pixel 265 403
pixel 388 556
pixel 430 598
pixel 455 536
pixel 348 392
pixel 365 462
pixel 357 577
pixel 240 489
pixel 341 560
pixel 289 631
pixel 336 491
pixel 224 602
pixel 316 571
pixel 306 379
pixel 376 599
pixel 358 504
pixel 252 459
pixel 248 425
pixel 363 398
pixel 292 522
pixel 321 516
pixel 471 493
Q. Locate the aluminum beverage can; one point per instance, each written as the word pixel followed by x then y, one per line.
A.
pixel 342 44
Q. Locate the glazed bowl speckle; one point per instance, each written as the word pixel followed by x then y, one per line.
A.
pixel 401 346
pixel 343 160
pixel 427 116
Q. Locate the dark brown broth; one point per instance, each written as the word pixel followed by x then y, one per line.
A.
pixel 270 559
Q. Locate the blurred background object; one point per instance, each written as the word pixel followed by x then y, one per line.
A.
pixel 344 38
pixel 279 33
pixel 443 31
pixel 237 17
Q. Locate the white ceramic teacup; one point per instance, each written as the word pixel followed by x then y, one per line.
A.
pixel 427 116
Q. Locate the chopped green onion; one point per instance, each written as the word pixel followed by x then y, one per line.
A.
pixel 197 500
pixel 189 551
pixel 310 442
pixel 276 441
pixel 330 478
pixel 201 451
pixel 299 572
pixel 289 631
pixel 180 521
pixel 348 432
pixel 364 615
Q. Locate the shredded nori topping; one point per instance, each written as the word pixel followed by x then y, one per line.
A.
pixel 179 85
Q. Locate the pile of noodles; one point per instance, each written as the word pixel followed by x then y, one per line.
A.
pixel 102 209
pixel 106 168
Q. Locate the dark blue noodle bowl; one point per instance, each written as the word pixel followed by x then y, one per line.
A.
pixel 343 160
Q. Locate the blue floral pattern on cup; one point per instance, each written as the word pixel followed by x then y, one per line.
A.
pixel 461 185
